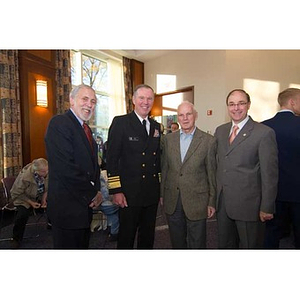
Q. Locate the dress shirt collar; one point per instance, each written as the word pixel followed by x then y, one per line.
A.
pixel 241 124
pixel 191 133
pixel 79 120
pixel 141 119
pixel 286 110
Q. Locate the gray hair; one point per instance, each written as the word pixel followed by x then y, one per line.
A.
pixel 77 88
pixel 187 102
pixel 146 86
pixel 39 164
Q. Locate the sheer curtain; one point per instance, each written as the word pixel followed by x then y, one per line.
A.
pixel 116 89
pixel 10 118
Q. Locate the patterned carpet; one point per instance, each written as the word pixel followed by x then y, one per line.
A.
pixel 39 237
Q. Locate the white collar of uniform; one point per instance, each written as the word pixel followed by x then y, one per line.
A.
pixel 141 119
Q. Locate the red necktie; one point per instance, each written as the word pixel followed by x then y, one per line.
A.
pixel 233 134
pixel 88 134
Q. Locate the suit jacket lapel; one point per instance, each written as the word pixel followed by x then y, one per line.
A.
pixel 80 129
pixel 138 128
pixel 194 145
pixel 176 147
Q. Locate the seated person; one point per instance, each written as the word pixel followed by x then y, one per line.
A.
pixel 110 209
pixel 29 192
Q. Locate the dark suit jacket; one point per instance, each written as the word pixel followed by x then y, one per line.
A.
pixel 133 160
pixel 194 178
pixel 74 174
pixel 287 128
pixel 247 170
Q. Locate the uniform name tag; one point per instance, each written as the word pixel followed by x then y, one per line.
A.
pixel 133 139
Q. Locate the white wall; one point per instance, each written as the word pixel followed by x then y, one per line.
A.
pixel 214 73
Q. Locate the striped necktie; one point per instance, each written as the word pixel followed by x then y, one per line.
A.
pixel 233 134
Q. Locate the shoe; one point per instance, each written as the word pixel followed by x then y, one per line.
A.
pixel 15 244
pixel 113 237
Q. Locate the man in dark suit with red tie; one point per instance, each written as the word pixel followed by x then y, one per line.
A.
pixel 133 167
pixel 74 173
pixel 286 125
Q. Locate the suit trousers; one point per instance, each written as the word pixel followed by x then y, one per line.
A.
pixel 184 233
pixel 234 234
pixel 287 214
pixel 70 238
pixel 139 219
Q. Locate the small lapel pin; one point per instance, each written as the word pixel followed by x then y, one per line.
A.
pixel 244 134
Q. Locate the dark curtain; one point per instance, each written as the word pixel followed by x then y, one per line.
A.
pixel 63 80
pixel 127 84
pixel 10 118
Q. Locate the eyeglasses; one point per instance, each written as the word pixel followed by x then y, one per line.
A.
pixel 240 104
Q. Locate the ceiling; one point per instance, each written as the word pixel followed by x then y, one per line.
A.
pixel 142 55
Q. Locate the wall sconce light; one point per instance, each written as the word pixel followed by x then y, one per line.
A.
pixel 41 93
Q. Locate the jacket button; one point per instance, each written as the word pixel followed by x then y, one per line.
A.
pixel 144 176
pixel 143 165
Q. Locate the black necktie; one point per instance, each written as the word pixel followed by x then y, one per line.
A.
pixel 144 123
pixel 88 134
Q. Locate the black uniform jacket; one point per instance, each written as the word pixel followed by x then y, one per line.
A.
pixel 74 173
pixel 133 160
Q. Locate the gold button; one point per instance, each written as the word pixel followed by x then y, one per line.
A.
pixel 143 153
pixel 154 175
pixel 143 165
pixel 144 176
pixel 154 153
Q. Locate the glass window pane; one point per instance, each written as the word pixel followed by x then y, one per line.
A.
pixel 100 121
pixel 75 67
pixel 94 73
pixel 172 101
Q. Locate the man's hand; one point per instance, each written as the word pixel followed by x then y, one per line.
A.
pixel 96 201
pixel 210 211
pixel 265 216
pixel 161 201
pixel 34 204
pixel 120 200
pixel 44 201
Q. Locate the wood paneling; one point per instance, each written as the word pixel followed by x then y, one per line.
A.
pixel 137 69
pixel 44 54
pixel 35 119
